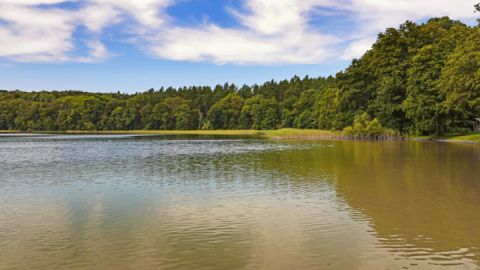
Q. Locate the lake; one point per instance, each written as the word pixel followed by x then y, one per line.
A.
pixel 147 202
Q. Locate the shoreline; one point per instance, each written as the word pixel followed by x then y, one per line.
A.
pixel 279 134
pixel 267 134
pixel 446 140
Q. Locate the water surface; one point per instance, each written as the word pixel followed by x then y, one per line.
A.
pixel 123 202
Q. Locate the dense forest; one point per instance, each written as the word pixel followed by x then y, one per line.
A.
pixel 418 79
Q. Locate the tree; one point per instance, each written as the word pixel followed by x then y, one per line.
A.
pixel 327 109
pixel 225 114
pixel 116 119
pixel 423 104
pixel 186 117
pixel 460 82
pixel 387 105
pixel 363 127
pixel 260 113
pixel 477 9
pixel 303 110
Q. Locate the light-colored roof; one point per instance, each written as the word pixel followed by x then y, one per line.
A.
pixel 478 119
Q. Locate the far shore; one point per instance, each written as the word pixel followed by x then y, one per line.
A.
pixel 470 138
pixel 280 134
pixel 268 134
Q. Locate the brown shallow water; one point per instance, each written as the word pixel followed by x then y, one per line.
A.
pixel 119 202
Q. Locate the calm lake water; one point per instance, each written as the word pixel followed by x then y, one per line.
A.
pixel 119 202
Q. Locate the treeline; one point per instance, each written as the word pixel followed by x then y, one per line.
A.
pixel 417 79
pixel 268 106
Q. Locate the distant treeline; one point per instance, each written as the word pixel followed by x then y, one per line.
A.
pixel 417 79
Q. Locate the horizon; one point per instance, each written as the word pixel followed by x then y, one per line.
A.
pixel 131 46
pixel 163 88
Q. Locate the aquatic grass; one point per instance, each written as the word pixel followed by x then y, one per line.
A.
pixel 465 138
pixel 292 133
pixel 287 133
pixel 279 134
pixel 469 138
pixel 172 132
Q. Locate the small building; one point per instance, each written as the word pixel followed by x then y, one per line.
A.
pixel 476 125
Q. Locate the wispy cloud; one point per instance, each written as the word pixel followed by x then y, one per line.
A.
pixel 31 34
pixel 271 32
pixel 40 31
pixel 268 31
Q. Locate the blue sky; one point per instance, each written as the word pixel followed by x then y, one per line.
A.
pixel 134 45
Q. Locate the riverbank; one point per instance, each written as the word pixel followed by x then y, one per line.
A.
pixel 470 138
pixel 279 134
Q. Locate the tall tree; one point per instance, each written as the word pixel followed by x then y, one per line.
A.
pixel 460 82
pixel 225 114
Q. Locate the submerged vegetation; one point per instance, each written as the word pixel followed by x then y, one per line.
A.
pixel 419 79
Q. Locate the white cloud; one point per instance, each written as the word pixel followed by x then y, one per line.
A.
pixel 274 31
pixel 278 31
pixel 215 44
pixel 35 34
pixel 374 16
pixel 146 12
pixel 273 16
pixel 357 48
pixel 32 2
pixel 268 31
pixel 97 51
pixel 97 16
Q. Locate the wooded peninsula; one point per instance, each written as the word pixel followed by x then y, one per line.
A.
pixel 419 79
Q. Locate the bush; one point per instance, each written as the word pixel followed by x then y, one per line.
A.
pixel 374 128
pixel 364 128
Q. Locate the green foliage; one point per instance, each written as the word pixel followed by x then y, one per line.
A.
pixel 423 104
pixel 172 113
pixel 460 82
pixel 327 109
pixel 225 114
pixel 477 9
pixel 260 113
pixel 303 110
pixel 363 127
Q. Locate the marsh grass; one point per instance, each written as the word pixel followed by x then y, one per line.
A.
pixel 288 133
pixel 280 134
pixel 469 138
pixel 466 138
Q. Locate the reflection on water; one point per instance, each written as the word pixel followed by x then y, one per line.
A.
pixel 121 202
